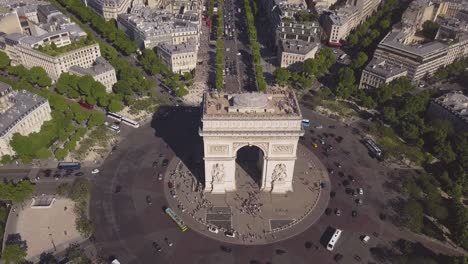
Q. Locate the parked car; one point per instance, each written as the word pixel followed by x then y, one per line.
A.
pixel 354 213
pixel 160 177
pixel 361 191
pixel 230 234
pixel 148 200
pixel 337 212
pixel 213 229
pixel 95 171
pixel 365 239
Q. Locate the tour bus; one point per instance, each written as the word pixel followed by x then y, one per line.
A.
pixel 373 148
pixel 130 122
pixel 123 119
pixel 176 219
pixel 305 122
pixel 336 236
pixel 69 166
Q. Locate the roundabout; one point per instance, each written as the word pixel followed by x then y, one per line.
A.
pixel 248 215
pixel 127 225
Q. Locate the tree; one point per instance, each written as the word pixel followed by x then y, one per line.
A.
pixel 79 114
pixel 37 75
pixel 115 106
pixel 96 119
pixel 413 216
pixel 85 85
pixel 282 76
pixel 61 153
pixel 4 60
pixel 181 92
pixel 14 254
pixel 429 29
pixel 384 24
pixel 359 61
pixel 80 190
pixel 346 83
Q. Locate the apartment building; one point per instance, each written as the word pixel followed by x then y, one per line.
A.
pixel 178 58
pixel 292 52
pixel 339 23
pixel 293 30
pixel 453 107
pixel 150 27
pixel 101 71
pixel 378 72
pixel 109 9
pixel 280 9
pixel 401 47
pixel 20 112
pixel 56 65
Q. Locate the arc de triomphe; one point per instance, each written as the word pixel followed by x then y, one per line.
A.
pixel 271 122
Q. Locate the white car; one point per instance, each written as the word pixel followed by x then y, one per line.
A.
pixel 213 229
pixel 361 191
pixel 319 127
pixel 95 171
pixel 366 239
pixel 230 234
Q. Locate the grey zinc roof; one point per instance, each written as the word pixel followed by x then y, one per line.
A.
pixel 24 103
pixel 382 68
pixel 393 40
pixel 100 66
pixel 297 46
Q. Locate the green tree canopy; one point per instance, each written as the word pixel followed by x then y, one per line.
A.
pixel 429 29
pixel 16 192
pixel 4 60
pixel 282 76
pixel 14 254
pixel 37 75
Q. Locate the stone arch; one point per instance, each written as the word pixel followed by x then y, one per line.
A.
pixel 263 146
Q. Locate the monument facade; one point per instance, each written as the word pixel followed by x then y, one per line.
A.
pixel 271 122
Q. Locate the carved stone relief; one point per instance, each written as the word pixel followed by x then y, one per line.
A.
pixel 218 149
pixel 217 172
pixel 279 173
pixel 282 149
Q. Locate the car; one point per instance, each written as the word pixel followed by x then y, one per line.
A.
pixel 351 178
pixel 337 212
pixel 157 247
pixel 322 141
pixel 315 145
pixel 328 211
pixel 213 229
pixel 238 53
pixel 165 162
pixel 148 200
pixel 79 173
pixel 118 188
pixel 361 191
pixel 230 234
pixel 160 177
pixel 365 239
pixel 331 171
pixel 319 127
pixel 173 194
pixel 354 213
pixel 358 201
pixel 338 165
pixel 95 171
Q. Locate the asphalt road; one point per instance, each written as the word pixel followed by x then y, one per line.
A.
pixel 126 225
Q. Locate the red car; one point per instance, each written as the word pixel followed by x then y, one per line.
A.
pixel 86 105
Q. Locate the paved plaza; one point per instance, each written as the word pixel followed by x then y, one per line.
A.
pixel 43 228
pixel 255 217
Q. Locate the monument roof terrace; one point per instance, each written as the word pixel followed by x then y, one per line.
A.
pixel 278 103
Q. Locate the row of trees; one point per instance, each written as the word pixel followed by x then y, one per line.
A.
pixel 306 72
pixel 377 25
pixel 89 90
pixel 455 71
pixel 34 76
pixel 219 81
pixel 107 30
pixel 257 60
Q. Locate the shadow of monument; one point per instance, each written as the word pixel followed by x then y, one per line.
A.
pixel 178 127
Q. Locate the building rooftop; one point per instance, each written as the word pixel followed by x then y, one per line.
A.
pixel 297 46
pixel 22 103
pixel 278 103
pixel 47 9
pixel 455 102
pixel 100 66
pixel 397 38
pixel 177 48
pixel 380 67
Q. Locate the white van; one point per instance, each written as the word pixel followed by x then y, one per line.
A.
pixel 115 128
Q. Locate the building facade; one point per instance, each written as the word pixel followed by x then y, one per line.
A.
pixel 21 112
pixel 101 71
pixel 271 123
pixel 292 52
pixel 453 107
pixel 109 9
pixel 379 72
pixel 178 58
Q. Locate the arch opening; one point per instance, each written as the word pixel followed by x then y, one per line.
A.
pixel 249 166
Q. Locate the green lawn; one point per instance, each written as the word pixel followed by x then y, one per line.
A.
pixel 339 107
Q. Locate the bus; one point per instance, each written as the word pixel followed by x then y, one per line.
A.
pixel 123 119
pixel 336 236
pixel 69 166
pixel 114 116
pixel 130 122
pixel 373 148
pixel 305 122
pixel 176 219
